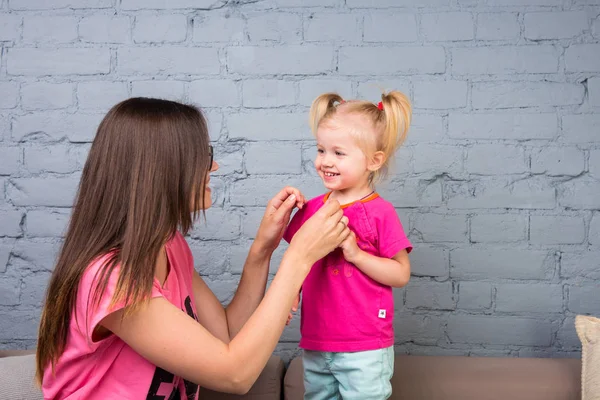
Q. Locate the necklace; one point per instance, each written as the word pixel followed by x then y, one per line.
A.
pixel 367 196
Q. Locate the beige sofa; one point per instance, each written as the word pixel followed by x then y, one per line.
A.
pixel 471 378
pixel 415 378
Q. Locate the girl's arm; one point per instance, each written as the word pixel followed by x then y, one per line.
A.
pixel 170 339
pixel 394 272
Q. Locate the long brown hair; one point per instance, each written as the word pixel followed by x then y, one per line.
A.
pixel 144 179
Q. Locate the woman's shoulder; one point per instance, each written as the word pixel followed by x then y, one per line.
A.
pixel 180 251
pixel 178 241
pixel 91 272
pixel 179 246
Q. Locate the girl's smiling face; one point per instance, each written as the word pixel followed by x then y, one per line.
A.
pixel 340 162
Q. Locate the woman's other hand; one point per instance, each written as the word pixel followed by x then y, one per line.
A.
pixel 321 233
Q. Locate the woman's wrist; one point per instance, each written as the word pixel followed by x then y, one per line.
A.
pixel 259 251
pixel 297 259
pixel 263 245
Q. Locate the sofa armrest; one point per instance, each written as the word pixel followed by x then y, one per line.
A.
pixel 13 353
pixel 267 387
pixel 17 378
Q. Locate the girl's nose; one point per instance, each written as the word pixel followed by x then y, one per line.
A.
pixel 327 161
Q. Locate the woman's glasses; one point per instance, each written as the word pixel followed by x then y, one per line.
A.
pixel 210 153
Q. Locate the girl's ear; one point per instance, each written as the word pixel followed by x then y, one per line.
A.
pixel 376 161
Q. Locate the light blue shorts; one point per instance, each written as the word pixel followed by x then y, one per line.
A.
pixel 363 375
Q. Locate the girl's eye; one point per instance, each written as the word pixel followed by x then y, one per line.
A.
pixel 320 151
pixel 337 153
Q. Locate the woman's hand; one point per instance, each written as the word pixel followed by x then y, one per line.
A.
pixel 277 217
pixel 321 233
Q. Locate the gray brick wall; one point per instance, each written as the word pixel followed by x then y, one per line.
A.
pixel 498 185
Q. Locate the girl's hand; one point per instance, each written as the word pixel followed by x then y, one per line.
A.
pixel 277 216
pixel 321 233
pixel 294 309
pixel 350 248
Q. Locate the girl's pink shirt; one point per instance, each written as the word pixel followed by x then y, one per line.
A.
pixel 343 309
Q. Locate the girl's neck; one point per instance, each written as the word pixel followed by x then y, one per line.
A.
pixel 350 195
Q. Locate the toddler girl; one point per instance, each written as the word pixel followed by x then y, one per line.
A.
pixel 348 306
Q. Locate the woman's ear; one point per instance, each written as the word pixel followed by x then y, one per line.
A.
pixel 376 161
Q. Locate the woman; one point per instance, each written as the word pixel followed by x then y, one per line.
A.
pixel 126 315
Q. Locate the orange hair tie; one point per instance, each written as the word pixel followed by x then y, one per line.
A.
pixel 380 105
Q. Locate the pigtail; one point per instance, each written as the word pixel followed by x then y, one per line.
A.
pixel 321 107
pixel 393 116
pixel 397 110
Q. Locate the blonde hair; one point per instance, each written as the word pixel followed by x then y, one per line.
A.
pixel 389 120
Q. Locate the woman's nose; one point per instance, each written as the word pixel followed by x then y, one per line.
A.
pixel 214 166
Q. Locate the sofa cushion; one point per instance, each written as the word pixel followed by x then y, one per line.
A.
pixel 465 378
pixel 268 386
pixel 17 378
pixel 293 383
pixel 588 330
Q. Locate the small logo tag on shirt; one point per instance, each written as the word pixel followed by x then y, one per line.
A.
pixel 381 313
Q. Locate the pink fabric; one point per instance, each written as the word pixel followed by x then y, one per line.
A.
pixel 343 310
pixel 109 368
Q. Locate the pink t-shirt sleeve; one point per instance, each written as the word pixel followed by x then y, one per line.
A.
pixel 91 313
pixel 390 233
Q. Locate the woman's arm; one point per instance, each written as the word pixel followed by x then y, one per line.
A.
pixel 250 290
pixel 170 339
pixel 225 323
